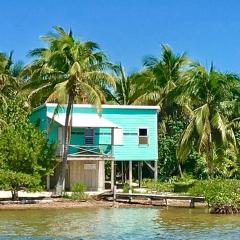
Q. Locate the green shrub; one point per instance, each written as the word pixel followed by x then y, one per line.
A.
pixel 183 184
pixel 16 181
pixel 182 187
pixel 78 191
pixel 126 188
pixel 218 191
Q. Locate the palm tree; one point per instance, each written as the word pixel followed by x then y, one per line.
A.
pixel 9 76
pixel 210 128
pixel 126 91
pixel 69 71
pixel 165 73
pixel 10 82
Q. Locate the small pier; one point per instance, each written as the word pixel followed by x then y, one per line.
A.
pixel 192 199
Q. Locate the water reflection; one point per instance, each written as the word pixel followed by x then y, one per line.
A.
pixel 198 224
pixel 150 223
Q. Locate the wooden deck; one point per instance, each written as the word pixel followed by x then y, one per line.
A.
pixel 191 199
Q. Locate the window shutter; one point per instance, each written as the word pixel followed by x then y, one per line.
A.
pixel 88 136
pixel 118 136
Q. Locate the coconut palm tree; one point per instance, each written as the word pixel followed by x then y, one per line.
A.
pixel 10 82
pixel 127 90
pixel 68 71
pixel 210 128
pixel 9 76
pixel 165 73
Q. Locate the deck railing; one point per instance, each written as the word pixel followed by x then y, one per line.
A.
pixel 101 150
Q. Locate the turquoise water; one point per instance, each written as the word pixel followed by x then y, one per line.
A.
pixel 117 223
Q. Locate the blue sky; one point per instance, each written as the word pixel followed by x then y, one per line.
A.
pixel 128 30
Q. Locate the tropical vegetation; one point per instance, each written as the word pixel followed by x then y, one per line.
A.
pixel 26 157
pixel 199 133
pixel 68 71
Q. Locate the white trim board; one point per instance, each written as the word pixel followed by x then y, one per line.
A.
pixel 108 106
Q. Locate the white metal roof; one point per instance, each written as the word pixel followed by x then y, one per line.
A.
pixel 110 106
pixel 83 120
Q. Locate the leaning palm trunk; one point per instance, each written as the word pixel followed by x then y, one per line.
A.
pixel 180 170
pixel 62 174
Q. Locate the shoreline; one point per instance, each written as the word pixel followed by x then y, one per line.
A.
pixel 61 203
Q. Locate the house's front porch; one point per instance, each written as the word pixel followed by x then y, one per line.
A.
pixel 91 143
pixel 88 152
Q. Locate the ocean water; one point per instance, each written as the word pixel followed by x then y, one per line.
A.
pixel 117 223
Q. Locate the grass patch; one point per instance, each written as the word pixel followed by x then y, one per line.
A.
pixel 78 192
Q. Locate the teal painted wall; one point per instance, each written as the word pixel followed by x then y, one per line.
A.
pixel 130 120
pixel 39 118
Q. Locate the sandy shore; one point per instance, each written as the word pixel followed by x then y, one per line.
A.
pixel 59 203
pixel 65 203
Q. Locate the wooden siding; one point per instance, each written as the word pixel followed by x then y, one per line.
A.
pixel 130 120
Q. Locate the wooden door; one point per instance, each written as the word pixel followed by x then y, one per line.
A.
pixel 90 176
pixel 85 172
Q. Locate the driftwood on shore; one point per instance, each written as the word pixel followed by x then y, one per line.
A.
pixel 225 209
pixel 26 201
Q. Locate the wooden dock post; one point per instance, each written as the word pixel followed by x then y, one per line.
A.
pixel 192 203
pixel 114 193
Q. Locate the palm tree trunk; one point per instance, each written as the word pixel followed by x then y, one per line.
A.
pixel 62 174
pixel 14 194
pixel 180 170
pixel 210 158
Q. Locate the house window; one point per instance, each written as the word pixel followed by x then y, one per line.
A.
pixel 142 136
pixel 89 136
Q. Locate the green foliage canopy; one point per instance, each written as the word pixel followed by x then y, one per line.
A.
pixel 26 157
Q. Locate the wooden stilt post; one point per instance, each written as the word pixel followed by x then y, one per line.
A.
pixel 64 184
pixel 112 162
pixel 139 173
pixel 115 173
pixel 114 193
pixel 155 170
pixel 101 175
pixel 112 174
pixel 141 167
pixel 130 176
pixel 122 170
pixel 125 171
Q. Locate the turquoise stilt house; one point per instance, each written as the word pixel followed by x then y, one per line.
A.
pixel 119 133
